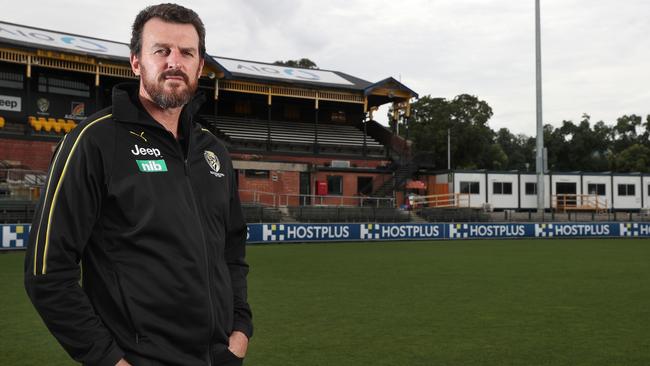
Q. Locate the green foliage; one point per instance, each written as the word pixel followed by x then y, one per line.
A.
pixel 303 62
pixel 466 117
pixel 635 158
pixel 571 147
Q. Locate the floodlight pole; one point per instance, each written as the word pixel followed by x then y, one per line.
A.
pixel 539 161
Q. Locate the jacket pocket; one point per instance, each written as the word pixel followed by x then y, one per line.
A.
pixel 126 310
pixel 226 358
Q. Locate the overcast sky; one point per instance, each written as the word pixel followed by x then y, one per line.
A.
pixel 595 53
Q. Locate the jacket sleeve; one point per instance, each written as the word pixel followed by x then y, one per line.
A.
pixel 65 216
pixel 235 254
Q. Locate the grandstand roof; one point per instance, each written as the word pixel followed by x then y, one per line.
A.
pixel 37 38
pixel 262 71
pixel 28 37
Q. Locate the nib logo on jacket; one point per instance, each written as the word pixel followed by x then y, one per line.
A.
pixel 152 166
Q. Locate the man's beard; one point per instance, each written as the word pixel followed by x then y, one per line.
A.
pixel 177 97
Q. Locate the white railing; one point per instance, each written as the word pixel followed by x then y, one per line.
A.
pixel 23 176
pixel 284 199
pixel 445 200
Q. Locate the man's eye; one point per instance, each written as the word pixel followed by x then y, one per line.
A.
pixel 161 51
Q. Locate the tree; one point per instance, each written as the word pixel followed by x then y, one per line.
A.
pixel 518 149
pixel 625 132
pixel 472 140
pixel 574 147
pixel 303 62
pixel 635 158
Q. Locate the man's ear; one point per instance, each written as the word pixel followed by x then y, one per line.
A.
pixel 135 64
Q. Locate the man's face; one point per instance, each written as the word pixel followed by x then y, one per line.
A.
pixel 169 63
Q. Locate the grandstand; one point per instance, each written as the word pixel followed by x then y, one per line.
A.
pixel 299 138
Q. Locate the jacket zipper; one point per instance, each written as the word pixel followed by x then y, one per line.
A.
pixel 205 244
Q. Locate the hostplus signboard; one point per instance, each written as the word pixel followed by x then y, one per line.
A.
pixel 16 236
pixel 278 233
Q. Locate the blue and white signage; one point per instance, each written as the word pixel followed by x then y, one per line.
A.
pixel 464 231
pixel 301 232
pixel 280 72
pixel 574 230
pixel 276 233
pixel 62 40
pixel 400 231
pixel 14 236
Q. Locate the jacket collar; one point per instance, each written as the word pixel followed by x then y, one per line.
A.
pixel 127 108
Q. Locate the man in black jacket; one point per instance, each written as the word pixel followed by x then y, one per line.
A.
pixel 145 201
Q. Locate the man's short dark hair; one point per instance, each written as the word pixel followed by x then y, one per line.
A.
pixel 171 13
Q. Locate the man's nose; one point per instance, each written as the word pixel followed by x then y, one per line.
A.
pixel 174 59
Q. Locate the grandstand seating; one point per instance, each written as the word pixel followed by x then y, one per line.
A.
pixel 257 213
pixel 433 214
pixel 332 137
pixel 49 124
pixel 348 214
pixel 57 126
pixel 16 211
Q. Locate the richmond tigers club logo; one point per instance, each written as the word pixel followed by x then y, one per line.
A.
pixel 213 161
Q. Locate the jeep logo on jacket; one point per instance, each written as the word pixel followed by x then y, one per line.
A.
pixel 161 237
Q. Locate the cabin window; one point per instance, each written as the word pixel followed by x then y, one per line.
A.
pixel 626 190
pixel 596 189
pixel 470 187
pixel 502 187
pixel 531 189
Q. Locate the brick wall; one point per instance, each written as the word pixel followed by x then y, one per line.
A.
pixel 34 154
pixel 323 161
pixel 280 185
pixel 283 187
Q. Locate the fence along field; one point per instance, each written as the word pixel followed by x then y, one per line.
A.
pixel 469 302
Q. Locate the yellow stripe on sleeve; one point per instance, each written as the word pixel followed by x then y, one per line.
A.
pixel 58 186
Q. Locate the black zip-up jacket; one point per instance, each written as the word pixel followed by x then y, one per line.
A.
pixel 158 228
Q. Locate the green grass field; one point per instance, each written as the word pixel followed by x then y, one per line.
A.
pixel 514 302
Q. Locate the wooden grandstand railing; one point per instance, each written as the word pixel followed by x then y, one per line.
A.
pixel 63 65
pixel 341 97
pixel 116 70
pixel 579 202
pixel 14 56
pixel 445 200
pixel 281 91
